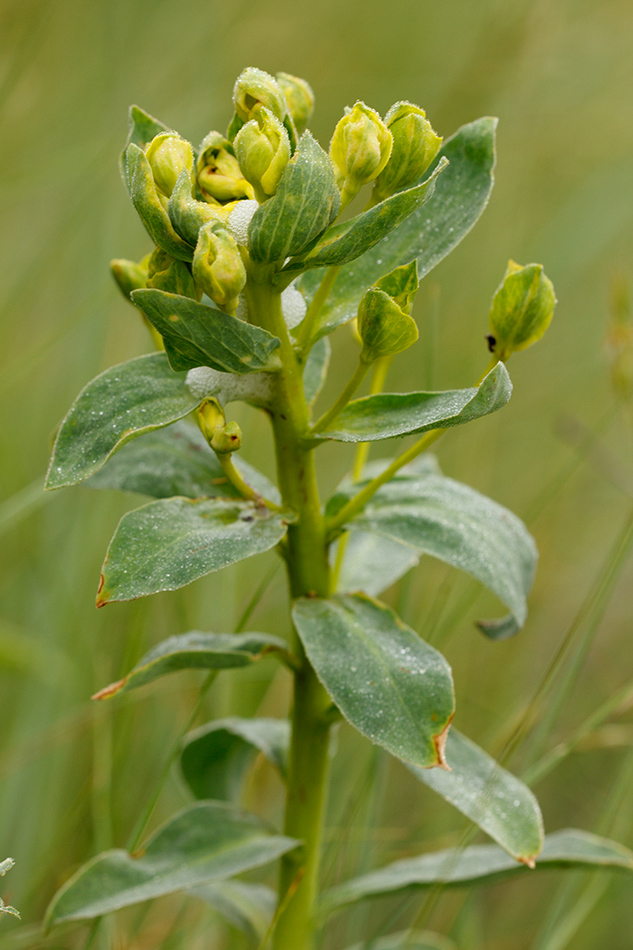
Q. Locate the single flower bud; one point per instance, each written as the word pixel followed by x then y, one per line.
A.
pixel 219 174
pixel 255 88
pixel 415 145
pixel 218 266
pixel 402 284
pixel 168 155
pixel 210 417
pixel 360 148
pixel 172 276
pixel 227 439
pixel 262 148
pixel 383 327
pixel 299 99
pixel 522 309
pixel 129 276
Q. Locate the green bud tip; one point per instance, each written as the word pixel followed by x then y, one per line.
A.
pixel 253 88
pixel 168 155
pixel 262 148
pixel 128 275
pixel 227 439
pixel 384 328
pixel 299 99
pixel 415 145
pixel 360 148
pixel 218 267
pixel 219 175
pixel 210 417
pixel 522 309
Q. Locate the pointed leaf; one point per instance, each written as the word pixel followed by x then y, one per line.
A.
pixel 388 415
pixel 481 864
pixel 305 203
pixel 197 335
pixel 429 234
pixel 215 756
pixel 408 940
pixel 388 683
pixel 208 841
pixel 249 907
pixel 345 242
pixel 176 460
pixel 172 542
pixel 196 651
pixel 149 207
pixel 496 801
pixel 438 516
pixel 143 127
pixel 123 402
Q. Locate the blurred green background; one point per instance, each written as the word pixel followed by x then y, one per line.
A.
pixel 73 776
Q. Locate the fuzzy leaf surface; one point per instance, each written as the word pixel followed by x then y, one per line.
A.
pixel 249 907
pixel 142 128
pixel 305 203
pixel 387 682
pixel 215 756
pixel 196 651
pixel 123 402
pixel 207 841
pixel 149 208
pixel 172 542
pixel 389 415
pixel 197 335
pixel 481 864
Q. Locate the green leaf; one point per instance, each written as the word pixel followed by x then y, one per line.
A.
pixel 143 127
pixel 429 234
pixel 249 907
pixel 408 940
pixel 315 370
pixel 372 563
pixel 387 682
pixel 149 207
pixel 196 651
pixel 438 516
pixel 345 242
pixel 383 327
pixel 176 460
pixel 172 542
pixel 123 402
pixel 481 864
pixel 186 213
pixel 215 756
pixel 306 202
pixel 497 802
pixel 207 841
pixel 197 335
pixel 388 415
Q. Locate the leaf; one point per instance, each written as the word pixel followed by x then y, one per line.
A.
pixel 429 234
pixel 315 370
pixel 149 207
pixel 408 940
pixel 483 864
pixel 123 402
pixel 249 907
pixel 172 542
pixel 306 202
pixel 196 651
pixel 388 415
pixel 176 461
pixel 497 802
pixel 438 516
pixel 143 127
pixel 197 335
pixel 215 756
pixel 387 682
pixel 345 242
pixel 372 563
pixel 207 841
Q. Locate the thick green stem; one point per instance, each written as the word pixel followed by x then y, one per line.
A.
pixel 308 574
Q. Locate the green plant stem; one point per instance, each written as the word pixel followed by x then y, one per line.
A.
pixel 226 461
pixel 304 337
pixel 343 399
pixel 308 574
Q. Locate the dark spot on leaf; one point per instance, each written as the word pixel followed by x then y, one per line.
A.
pixel 492 342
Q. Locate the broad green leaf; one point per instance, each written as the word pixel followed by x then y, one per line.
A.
pixel 408 940
pixel 387 682
pixel 315 370
pixel 149 206
pixel 388 415
pixel 306 202
pixel 143 127
pixel 249 907
pixel 500 804
pixel 372 563
pixel 176 461
pixel 481 864
pixel 172 542
pixel 345 242
pixel 197 335
pixel 429 234
pixel 438 516
pixel 123 402
pixel 208 841
pixel 196 651
pixel 215 756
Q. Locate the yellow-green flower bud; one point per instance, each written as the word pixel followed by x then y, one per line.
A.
pixel 383 327
pixel 299 99
pixel 210 417
pixel 219 174
pixel 172 276
pixel 262 148
pixel 402 284
pixel 218 266
pixel 360 148
pixel 227 439
pixel 415 145
pixel 522 309
pixel 253 88
pixel 128 275
pixel 168 155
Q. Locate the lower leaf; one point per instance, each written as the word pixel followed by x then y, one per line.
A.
pixel 408 940
pixel 249 907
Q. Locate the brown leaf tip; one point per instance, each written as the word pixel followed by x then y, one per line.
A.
pixel 439 741
pixel 529 862
pixel 110 690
